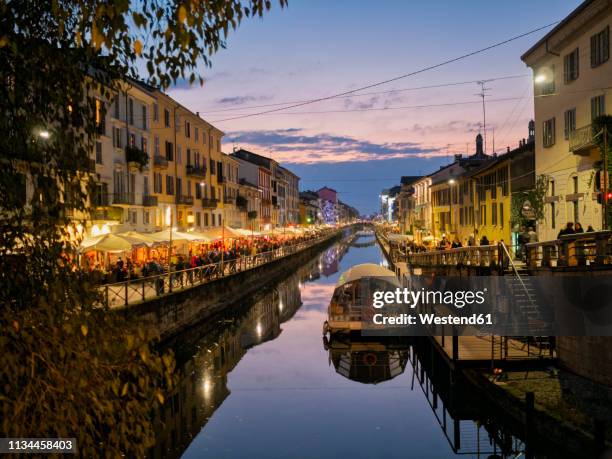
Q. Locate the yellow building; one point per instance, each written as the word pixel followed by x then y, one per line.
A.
pixel 186 164
pixel 232 212
pixel 481 200
pixel 573 77
pixel 451 196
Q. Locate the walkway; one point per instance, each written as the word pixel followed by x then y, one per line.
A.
pixel 133 291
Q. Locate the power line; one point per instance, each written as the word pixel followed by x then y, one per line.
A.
pixel 380 83
pixel 406 107
pixel 374 93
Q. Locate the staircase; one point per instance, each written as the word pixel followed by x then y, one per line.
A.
pixel 524 302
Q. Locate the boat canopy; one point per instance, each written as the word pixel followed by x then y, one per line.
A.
pixel 366 270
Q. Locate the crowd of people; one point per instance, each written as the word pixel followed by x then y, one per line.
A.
pixel 525 235
pixel 208 256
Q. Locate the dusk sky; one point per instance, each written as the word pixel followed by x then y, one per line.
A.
pixel 364 143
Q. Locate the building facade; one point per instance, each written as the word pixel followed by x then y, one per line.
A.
pixel 572 81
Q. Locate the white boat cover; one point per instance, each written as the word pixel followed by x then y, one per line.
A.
pixel 366 270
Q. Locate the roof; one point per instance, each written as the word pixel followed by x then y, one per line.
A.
pixel 253 158
pixel 560 25
pixel 409 179
pixel 364 270
pixel 527 146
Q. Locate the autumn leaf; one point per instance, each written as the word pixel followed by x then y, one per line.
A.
pixel 138 47
pixel 84 329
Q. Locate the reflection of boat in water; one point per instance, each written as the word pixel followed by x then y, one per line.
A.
pixel 367 243
pixel 351 303
pixel 368 362
pixel 365 233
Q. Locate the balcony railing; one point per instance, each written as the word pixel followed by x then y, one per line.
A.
pixel 184 200
pixel 160 161
pixel 229 200
pixel 197 171
pixel 149 201
pixel 85 165
pixel 111 213
pixel 209 203
pixel 99 199
pixel 581 140
pixel 124 199
pixel 137 156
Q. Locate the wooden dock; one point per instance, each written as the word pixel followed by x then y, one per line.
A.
pixel 482 351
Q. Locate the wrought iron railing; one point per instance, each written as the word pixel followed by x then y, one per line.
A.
pixel 581 138
pixel 136 290
pixel 582 249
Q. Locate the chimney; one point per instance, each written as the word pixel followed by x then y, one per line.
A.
pixel 198 114
pixel 479 151
pixel 508 149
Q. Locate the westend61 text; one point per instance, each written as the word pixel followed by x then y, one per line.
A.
pixel 411 298
pixel 432 319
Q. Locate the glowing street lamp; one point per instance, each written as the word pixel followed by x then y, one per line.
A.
pixel 44 134
pixel 541 78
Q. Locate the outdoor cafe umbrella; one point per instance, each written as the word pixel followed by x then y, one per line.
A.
pixel 220 232
pixel 145 238
pixel 179 236
pixel 109 243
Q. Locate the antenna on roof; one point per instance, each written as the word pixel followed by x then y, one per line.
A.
pixel 483 94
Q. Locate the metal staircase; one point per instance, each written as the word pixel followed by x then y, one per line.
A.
pixel 524 301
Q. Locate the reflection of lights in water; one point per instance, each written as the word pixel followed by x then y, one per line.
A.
pixel 320 266
pixel 280 305
pixel 310 277
pixel 300 285
pixel 207 385
pixel 258 330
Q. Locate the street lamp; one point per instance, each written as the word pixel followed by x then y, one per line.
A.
pixel 44 134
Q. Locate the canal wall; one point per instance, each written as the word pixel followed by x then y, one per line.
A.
pixel 175 312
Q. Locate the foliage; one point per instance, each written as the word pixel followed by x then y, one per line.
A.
pixel 535 196
pixel 603 124
pixel 67 366
pixel 241 202
pixel 136 155
pixel 252 214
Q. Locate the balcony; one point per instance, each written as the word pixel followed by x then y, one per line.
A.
pixel 581 140
pixel 242 202
pixel 209 203
pixel 124 199
pixel 149 201
pixel 196 171
pixel 110 214
pixel 136 156
pixel 183 200
pixel 99 199
pixel 229 200
pixel 160 161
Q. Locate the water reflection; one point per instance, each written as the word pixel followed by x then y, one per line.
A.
pixel 221 344
pixel 367 361
pixel 257 383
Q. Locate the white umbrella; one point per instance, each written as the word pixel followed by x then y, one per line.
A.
pixel 109 243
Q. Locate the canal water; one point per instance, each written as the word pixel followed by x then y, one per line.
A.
pixel 260 382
